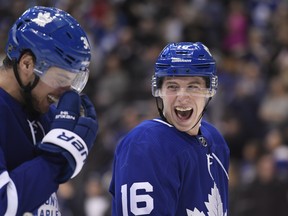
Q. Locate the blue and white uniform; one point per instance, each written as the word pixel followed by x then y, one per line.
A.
pixel 159 170
pixel 25 178
pixel 61 48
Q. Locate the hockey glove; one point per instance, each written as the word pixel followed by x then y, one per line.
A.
pixel 71 135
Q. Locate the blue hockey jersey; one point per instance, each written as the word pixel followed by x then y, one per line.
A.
pixel 25 178
pixel 159 170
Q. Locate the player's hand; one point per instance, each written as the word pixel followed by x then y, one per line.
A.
pixel 72 135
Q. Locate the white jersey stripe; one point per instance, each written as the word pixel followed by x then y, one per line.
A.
pixel 4 179
pixel 218 160
pixel 12 197
pixel 163 122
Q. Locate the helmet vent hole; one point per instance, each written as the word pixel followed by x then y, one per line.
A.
pixel 19 25
pixel 203 66
pixel 182 52
pixel 163 65
pixel 59 51
pixel 69 35
pixel 70 58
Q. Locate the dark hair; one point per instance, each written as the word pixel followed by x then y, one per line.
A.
pixel 8 63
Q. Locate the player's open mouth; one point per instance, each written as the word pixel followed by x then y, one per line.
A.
pixel 52 99
pixel 183 113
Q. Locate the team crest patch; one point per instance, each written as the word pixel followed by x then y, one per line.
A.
pixel 214 205
pixel 43 19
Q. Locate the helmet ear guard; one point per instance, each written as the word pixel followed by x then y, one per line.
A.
pixel 185 59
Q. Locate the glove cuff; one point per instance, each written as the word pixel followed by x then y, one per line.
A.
pixel 71 142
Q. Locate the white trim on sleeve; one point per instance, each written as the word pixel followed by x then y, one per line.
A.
pixel 12 196
pixel 71 142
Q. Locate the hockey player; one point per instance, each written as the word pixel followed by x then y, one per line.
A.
pixel 176 164
pixel 41 145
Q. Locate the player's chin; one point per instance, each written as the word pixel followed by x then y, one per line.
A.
pixel 183 127
pixel 43 107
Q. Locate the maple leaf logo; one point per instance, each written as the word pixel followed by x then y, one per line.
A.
pixel 42 19
pixel 214 205
pixel 196 212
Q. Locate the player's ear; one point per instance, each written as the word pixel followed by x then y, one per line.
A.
pixel 26 62
pixel 26 67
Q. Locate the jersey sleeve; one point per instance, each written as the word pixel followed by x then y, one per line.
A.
pixel 23 187
pixel 26 187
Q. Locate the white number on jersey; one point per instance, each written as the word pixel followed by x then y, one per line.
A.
pixel 137 198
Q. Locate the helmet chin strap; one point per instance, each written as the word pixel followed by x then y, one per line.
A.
pixel 202 114
pixel 28 87
pixel 160 110
pixel 26 92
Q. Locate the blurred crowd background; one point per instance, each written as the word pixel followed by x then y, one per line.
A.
pixel 248 39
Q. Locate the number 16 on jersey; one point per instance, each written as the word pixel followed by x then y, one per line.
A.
pixel 140 204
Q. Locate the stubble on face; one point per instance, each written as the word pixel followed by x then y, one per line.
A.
pixel 40 98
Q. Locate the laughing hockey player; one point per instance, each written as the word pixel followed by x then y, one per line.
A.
pixel 176 164
pixel 41 145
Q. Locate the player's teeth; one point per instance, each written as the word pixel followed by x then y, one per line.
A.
pixel 52 98
pixel 183 109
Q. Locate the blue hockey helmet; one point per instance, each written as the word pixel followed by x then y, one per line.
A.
pixel 186 59
pixel 55 38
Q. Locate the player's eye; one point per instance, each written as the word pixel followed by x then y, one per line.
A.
pixel 172 87
pixel 193 88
